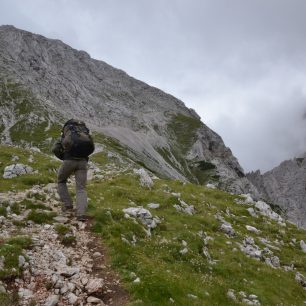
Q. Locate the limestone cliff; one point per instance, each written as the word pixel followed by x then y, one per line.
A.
pixel 285 186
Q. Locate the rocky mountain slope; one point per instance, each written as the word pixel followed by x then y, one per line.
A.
pixel 44 82
pixel 285 185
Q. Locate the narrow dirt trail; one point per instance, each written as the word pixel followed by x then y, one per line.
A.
pixel 67 264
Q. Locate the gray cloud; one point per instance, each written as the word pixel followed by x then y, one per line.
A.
pixel 240 64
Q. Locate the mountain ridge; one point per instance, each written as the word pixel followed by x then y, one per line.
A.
pixel 285 186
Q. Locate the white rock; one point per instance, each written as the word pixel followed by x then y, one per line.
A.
pixel 250 248
pixel 52 300
pixel 184 207
pixel 25 293
pixel 72 298
pixel 15 158
pixel 184 243
pixel 145 179
pixel 274 262
pixel 153 205
pixel 242 293
pixel 21 261
pixel 94 285
pixel 31 159
pixel 69 271
pixel 2 288
pixel 266 210
pixel 71 286
pixel 248 198
pixel 301 279
pixel 2 261
pixel 252 229
pixel 227 229
pixel 16 170
pixel 94 300
pixel 184 251
pixel 211 186
pixel 252 212
pixel 64 289
pixel 84 281
pixel 192 296
pixel 143 214
pixel 249 302
pixel 231 294
pixel 137 280
pixel 60 219
pixel 303 246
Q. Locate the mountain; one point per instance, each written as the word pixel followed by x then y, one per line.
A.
pixel 44 82
pixel 153 238
pixel 285 185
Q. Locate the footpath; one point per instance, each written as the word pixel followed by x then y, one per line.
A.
pixel 65 263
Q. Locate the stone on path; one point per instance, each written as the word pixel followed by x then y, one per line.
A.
pixel 52 300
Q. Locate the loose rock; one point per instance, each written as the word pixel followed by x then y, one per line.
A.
pixel 303 246
pixel 52 300
pixel 94 285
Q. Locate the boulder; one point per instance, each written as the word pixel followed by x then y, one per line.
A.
pixel 184 207
pixel 143 215
pixel 145 179
pixel 227 229
pixel 16 170
pixel 266 210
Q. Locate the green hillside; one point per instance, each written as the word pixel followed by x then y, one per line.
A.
pixel 188 258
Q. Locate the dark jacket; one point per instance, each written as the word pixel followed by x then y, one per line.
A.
pixel 60 153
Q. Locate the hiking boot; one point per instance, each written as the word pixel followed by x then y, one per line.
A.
pixel 82 218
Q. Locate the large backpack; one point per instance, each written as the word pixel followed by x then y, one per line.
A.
pixel 76 139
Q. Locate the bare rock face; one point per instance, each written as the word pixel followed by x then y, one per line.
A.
pixel 155 128
pixel 285 186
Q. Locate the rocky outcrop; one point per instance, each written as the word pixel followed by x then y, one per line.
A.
pixel 155 128
pixel 285 186
pixel 16 170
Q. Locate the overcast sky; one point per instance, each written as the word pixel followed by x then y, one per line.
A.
pixel 241 64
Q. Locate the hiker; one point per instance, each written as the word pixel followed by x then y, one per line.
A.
pixel 73 148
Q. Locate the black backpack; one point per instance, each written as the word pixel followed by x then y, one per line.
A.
pixel 76 139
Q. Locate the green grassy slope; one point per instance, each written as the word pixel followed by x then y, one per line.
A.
pixel 165 273
pixel 170 267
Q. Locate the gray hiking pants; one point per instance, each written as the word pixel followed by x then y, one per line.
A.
pixel 79 168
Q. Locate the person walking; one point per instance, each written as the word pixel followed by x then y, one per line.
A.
pixel 73 148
